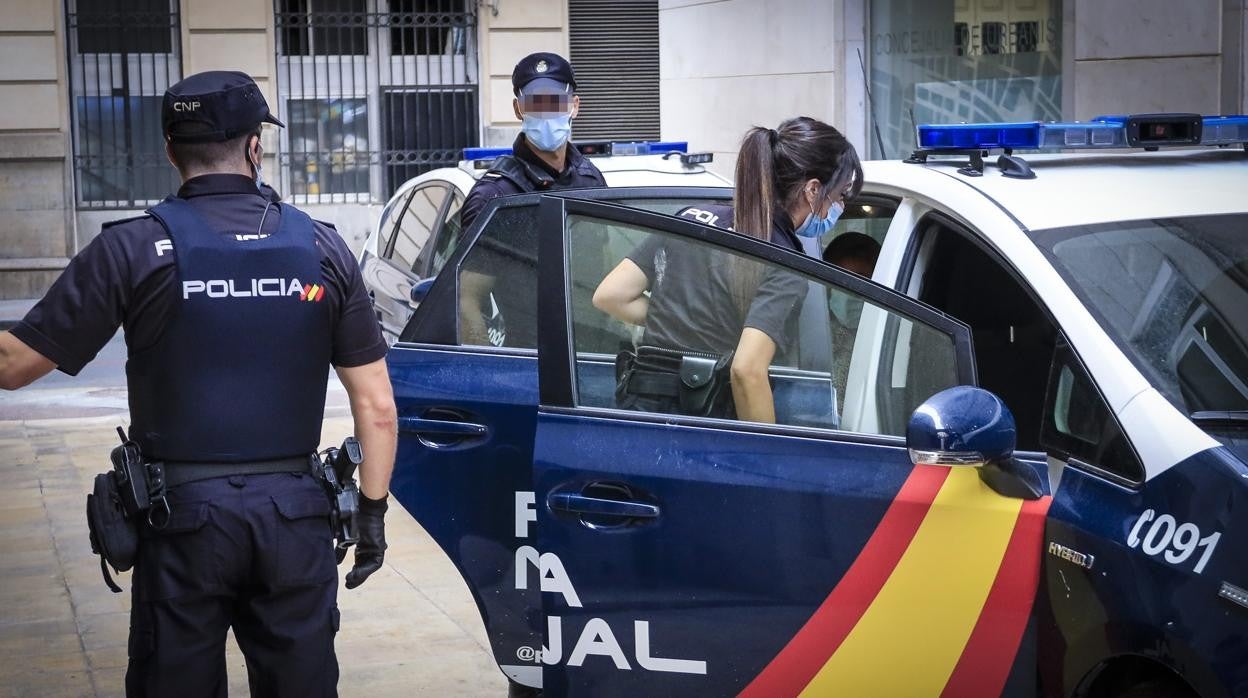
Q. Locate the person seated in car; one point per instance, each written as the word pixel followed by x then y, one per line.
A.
pixel 857 253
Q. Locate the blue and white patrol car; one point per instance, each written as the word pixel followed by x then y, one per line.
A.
pixel 419 227
pixel 896 532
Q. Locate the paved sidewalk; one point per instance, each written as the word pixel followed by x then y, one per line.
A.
pixel 412 629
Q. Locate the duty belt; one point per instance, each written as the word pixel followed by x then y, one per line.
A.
pixel 181 472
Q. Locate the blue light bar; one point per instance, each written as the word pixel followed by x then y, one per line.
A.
pixel 471 154
pixel 974 136
pixel 1115 131
pixel 1224 130
pixel 1085 135
pixel 661 147
pixel 638 148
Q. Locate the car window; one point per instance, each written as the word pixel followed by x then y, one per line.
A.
pixel 661 334
pixel 504 256
pixel 497 289
pixel 416 224
pixel 448 236
pixel 866 214
pixel 1078 422
pixel 390 224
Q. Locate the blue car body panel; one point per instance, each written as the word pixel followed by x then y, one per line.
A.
pixel 461 488
pixel 1131 602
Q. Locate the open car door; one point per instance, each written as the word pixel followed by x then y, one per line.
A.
pixel 682 555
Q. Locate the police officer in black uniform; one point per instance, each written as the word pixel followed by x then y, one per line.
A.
pixel 234 307
pixel 542 157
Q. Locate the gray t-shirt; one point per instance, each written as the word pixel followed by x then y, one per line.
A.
pixel 702 297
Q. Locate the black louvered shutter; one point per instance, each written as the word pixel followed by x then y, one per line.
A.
pixel 615 52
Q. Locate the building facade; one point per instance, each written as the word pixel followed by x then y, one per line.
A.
pixel 876 67
pixel 376 91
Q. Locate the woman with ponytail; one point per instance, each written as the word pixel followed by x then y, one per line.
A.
pixel 790 182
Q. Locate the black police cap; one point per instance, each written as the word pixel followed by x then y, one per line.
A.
pixel 541 65
pixel 214 106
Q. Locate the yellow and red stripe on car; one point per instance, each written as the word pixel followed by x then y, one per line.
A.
pixel 935 604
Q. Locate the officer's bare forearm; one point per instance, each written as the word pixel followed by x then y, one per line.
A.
pixel 751 386
pixel 376 423
pixel 621 294
pixel 19 364
pixel 472 329
pixel 474 296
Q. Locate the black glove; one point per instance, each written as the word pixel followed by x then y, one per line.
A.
pixel 371 550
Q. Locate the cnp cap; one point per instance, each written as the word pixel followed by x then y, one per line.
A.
pixel 548 71
pixel 213 106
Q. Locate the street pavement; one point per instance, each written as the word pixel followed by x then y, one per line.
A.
pixel 411 629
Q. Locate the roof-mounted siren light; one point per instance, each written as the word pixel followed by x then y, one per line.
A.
pixel 1152 131
pixel 1225 130
pixel 482 158
pixel 1148 131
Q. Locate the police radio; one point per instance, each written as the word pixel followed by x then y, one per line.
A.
pixel 337 470
pixel 140 485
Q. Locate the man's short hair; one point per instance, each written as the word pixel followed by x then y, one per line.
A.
pixel 852 246
pixel 209 155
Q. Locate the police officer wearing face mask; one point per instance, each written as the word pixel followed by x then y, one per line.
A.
pixel 234 307
pixel 790 183
pixel 542 156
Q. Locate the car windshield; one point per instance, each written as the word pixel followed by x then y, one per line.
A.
pixel 1173 294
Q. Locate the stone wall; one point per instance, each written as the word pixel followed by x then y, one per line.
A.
pixel 726 65
pixel 36 230
pixel 1140 56
pixel 521 27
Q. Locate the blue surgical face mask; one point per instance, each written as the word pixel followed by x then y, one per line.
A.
pixel 815 227
pixel 548 133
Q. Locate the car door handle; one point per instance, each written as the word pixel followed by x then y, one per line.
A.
pixel 441 427
pixel 597 506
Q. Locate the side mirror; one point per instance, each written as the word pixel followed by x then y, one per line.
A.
pixel 969 426
pixel 420 289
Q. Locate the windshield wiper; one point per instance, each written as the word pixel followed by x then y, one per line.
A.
pixel 1220 418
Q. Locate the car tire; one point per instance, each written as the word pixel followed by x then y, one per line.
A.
pixel 519 690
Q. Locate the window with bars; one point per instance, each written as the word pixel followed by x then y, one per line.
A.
pixel 373 92
pixel 123 55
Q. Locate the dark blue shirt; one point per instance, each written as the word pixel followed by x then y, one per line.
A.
pixel 524 171
pixel 126 277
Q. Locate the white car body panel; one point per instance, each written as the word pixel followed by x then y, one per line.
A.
pixel 1068 190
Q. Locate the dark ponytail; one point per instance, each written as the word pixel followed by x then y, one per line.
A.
pixel 773 166
pixel 753 194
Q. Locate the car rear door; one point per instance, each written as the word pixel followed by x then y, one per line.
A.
pixel 467 412
pixel 683 555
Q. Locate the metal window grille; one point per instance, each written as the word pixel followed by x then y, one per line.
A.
pixel 373 92
pixel 123 55
pixel 615 52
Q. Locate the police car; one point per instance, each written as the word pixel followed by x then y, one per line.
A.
pixel 419 227
pixel 1076 525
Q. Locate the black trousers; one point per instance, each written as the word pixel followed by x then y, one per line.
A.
pixel 248 552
